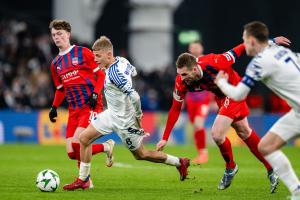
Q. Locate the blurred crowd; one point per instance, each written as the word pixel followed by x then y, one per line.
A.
pixel 24 67
pixel 25 79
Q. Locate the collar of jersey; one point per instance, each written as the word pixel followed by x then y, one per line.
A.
pixel 117 59
pixel 66 51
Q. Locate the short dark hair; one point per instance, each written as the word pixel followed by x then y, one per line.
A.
pixel 59 24
pixel 186 59
pixel 258 30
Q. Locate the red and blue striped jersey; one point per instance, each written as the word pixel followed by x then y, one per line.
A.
pixel 74 71
pixel 211 64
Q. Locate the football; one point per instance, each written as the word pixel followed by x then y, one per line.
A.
pixel 47 180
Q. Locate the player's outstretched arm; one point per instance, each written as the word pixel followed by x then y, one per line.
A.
pixel 226 59
pixel 172 119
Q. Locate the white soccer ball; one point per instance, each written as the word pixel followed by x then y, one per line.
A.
pixel 47 180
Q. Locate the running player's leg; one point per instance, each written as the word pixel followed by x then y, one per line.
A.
pixel 100 125
pixel 181 164
pixel 197 112
pixel 71 143
pixel 220 128
pixel 84 118
pixel 200 134
pixel 133 139
pixel 283 130
pixel 251 139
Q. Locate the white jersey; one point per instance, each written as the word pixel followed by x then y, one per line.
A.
pixel 117 87
pixel 279 69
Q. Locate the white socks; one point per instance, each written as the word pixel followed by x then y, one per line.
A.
pixel 283 168
pixel 84 170
pixel 172 160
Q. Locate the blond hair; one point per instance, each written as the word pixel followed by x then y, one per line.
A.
pixel 103 43
pixel 59 24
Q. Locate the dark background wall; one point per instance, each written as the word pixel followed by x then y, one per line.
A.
pixel 221 25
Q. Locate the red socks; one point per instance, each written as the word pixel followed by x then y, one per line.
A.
pixel 199 137
pixel 252 142
pixel 226 152
pixel 97 148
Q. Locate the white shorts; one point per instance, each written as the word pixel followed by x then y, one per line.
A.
pixel 288 126
pixel 131 136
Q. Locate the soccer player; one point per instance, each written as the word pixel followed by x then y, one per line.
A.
pixel 73 72
pixel 198 74
pixel 197 106
pixel 123 115
pixel 278 68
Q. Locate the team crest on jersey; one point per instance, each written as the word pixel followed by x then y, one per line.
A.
pixel 75 61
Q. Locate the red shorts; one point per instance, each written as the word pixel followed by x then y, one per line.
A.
pixel 80 118
pixel 236 110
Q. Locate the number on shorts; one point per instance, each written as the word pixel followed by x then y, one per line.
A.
pixel 128 141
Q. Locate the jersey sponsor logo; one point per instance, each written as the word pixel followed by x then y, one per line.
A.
pixel 75 61
pixel 69 75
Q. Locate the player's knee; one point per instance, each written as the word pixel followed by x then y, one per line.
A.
pixel 218 136
pixel 83 140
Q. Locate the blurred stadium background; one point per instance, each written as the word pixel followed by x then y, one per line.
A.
pixel 150 33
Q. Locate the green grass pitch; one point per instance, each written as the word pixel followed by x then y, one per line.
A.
pixel 131 179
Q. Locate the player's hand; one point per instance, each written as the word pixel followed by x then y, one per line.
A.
pixel 160 145
pixel 53 114
pixel 93 100
pixel 221 75
pixel 282 41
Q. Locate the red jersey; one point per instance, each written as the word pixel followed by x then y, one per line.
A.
pixel 210 64
pixel 74 70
